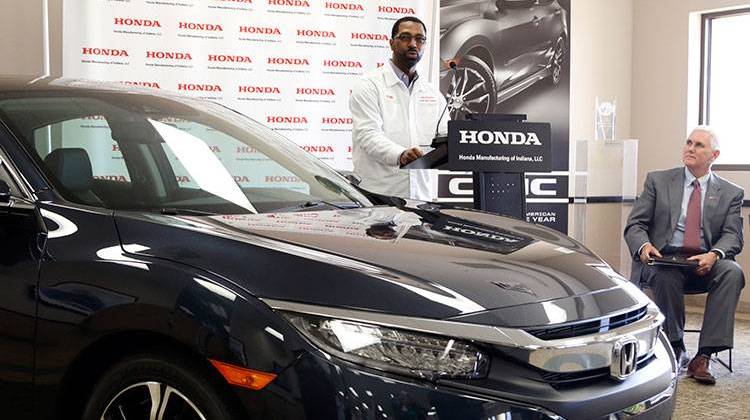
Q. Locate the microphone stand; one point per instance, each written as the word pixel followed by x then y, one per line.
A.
pixel 437 139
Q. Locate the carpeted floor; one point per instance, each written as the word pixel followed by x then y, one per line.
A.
pixel 729 399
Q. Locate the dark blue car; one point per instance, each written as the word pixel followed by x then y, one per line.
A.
pixel 167 258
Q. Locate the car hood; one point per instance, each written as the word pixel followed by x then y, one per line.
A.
pixel 416 260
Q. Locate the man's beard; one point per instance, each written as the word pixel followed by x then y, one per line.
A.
pixel 409 61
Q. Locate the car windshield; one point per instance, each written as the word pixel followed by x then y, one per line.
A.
pixel 141 152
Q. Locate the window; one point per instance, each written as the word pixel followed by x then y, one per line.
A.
pixel 125 151
pixel 248 166
pixel 5 176
pixel 725 85
pixel 90 133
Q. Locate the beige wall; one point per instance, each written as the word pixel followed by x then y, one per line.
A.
pixel 665 82
pixel 646 54
pixel 22 37
pixel 665 87
pixel 601 51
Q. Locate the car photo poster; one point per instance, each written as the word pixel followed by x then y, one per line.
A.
pixel 289 64
pixel 511 57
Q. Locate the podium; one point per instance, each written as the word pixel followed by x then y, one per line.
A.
pixel 498 149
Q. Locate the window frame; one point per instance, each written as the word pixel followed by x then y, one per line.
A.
pixel 704 108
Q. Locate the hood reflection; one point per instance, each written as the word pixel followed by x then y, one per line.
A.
pixel 423 222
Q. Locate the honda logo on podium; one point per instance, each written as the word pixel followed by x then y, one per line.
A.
pixel 624 358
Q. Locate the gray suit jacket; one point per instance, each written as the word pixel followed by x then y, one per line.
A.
pixel 655 214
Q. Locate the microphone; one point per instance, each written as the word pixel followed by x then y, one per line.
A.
pixel 438 140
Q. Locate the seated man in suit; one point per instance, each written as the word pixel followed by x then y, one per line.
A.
pixel 690 211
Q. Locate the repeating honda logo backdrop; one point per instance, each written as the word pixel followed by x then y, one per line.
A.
pixel 289 64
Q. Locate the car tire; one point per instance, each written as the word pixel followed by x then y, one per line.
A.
pixel 177 388
pixel 474 86
pixel 557 61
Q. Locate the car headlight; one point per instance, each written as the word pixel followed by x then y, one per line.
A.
pixel 400 351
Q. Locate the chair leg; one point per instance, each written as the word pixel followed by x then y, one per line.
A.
pixel 723 363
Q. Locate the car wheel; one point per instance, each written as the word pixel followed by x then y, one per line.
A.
pixel 557 61
pixel 471 88
pixel 156 387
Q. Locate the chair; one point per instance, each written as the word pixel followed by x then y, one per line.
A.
pixel 693 287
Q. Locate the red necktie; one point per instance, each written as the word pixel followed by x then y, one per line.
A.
pixel 692 242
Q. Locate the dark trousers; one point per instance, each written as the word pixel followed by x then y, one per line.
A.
pixel 724 283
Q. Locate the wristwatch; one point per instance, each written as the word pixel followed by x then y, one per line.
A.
pixel 718 254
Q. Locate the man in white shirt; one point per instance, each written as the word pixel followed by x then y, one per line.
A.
pixel 395 115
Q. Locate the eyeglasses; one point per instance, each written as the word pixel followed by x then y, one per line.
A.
pixel 407 38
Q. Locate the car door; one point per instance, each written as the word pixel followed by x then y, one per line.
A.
pixel 515 40
pixel 549 17
pixel 19 267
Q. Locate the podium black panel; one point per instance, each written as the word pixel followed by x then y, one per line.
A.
pixel 500 192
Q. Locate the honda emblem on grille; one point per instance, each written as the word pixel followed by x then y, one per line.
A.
pixel 624 358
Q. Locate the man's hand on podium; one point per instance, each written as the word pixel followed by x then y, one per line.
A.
pixel 410 155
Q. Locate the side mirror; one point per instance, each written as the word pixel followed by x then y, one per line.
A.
pixel 353 178
pixel 500 4
pixel 4 192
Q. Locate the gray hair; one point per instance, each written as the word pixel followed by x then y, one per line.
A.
pixel 711 134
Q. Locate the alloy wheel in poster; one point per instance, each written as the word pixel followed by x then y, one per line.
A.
pixel 510 57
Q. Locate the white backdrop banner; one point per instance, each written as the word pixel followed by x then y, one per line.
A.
pixel 289 64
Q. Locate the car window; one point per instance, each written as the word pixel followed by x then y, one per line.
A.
pixel 90 133
pixel 5 176
pixel 248 166
pixel 128 151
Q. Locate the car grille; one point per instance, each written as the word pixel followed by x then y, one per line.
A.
pixel 575 379
pixel 587 327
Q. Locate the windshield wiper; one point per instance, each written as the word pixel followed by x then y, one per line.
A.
pixel 314 204
pixel 171 211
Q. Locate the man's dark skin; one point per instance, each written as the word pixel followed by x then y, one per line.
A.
pixel 406 55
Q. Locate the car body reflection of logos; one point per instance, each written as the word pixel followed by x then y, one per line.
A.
pixel 321 151
pixel 500 48
pixel 500 240
pixel 624 358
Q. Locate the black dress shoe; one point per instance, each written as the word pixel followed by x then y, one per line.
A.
pixel 700 369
